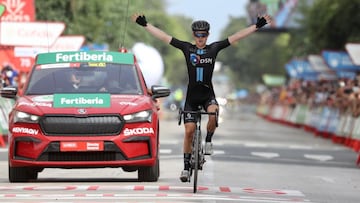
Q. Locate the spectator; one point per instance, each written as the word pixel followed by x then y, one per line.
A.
pixel 9 76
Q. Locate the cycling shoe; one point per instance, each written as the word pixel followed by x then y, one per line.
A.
pixel 185 176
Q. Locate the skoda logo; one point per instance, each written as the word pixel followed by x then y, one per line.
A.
pixel 81 111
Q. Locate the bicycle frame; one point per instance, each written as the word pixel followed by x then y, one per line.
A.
pixel 197 153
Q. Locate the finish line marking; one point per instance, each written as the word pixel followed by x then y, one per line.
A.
pixel 161 196
pixel 221 189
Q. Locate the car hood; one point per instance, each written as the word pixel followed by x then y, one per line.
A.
pixel 122 104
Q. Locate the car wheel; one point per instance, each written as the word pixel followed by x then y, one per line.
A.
pixel 22 174
pixel 149 174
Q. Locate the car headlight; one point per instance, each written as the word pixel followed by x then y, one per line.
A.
pixel 142 116
pixel 23 117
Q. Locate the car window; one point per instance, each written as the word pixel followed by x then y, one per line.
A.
pixel 84 78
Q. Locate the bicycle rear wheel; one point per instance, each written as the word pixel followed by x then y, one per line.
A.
pixel 196 149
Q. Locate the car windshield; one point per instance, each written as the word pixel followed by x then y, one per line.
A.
pixel 84 78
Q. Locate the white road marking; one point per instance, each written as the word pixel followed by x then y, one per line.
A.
pixel 268 155
pixel 300 147
pixel 165 151
pixel 327 179
pixel 217 152
pixel 255 144
pixel 318 157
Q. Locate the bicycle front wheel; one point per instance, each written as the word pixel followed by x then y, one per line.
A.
pixel 196 151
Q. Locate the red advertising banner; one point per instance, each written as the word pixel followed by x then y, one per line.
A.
pixel 18 10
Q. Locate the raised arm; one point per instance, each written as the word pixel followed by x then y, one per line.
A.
pixel 156 32
pixel 249 30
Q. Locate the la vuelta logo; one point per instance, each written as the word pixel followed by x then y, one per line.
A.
pixel 18 10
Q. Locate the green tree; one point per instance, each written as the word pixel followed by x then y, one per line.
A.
pixel 109 22
pixel 327 24
pixel 251 57
pixel 99 21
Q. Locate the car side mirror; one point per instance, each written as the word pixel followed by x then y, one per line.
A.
pixel 159 91
pixel 9 92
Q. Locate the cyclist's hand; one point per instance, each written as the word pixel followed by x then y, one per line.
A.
pixel 262 21
pixel 140 19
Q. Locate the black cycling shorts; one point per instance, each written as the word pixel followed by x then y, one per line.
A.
pixel 193 106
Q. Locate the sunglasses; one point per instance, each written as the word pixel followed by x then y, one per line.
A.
pixel 201 34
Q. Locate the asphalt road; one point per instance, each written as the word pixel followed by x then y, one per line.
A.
pixel 254 161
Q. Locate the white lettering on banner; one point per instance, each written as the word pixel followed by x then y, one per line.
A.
pixel 40 34
pixel 83 56
pixel 138 131
pixel 82 100
pixel 37 33
pixel 67 43
pixel 25 130
pixel 25 62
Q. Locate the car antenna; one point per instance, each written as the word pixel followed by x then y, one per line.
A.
pixel 47 36
pixel 122 49
pixel 125 25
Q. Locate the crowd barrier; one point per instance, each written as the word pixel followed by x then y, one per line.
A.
pixel 341 128
pixel 5 107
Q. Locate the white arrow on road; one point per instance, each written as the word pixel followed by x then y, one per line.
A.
pixel 268 155
pixel 318 157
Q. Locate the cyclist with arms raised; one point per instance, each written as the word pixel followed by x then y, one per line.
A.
pixel 200 61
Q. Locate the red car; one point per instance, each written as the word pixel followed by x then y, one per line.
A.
pixel 84 110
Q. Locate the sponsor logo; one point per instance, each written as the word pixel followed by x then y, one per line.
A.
pixel 95 57
pixel 189 115
pixel 128 103
pixel 82 146
pixel 92 64
pixel 93 146
pixel 206 60
pixel 81 111
pixel 195 60
pixel 43 98
pixel 82 100
pixel 22 130
pixel 34 104
pixel 138 131
pixel 83 56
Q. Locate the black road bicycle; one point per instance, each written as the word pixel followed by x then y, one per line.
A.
pixel 197 153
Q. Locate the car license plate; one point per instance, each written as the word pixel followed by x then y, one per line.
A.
pixel 67 146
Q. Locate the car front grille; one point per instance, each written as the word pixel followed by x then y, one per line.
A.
pixel 53 153
pixel 78 126
pixel 82 156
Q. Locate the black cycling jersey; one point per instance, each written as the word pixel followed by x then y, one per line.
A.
pixel 200 64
